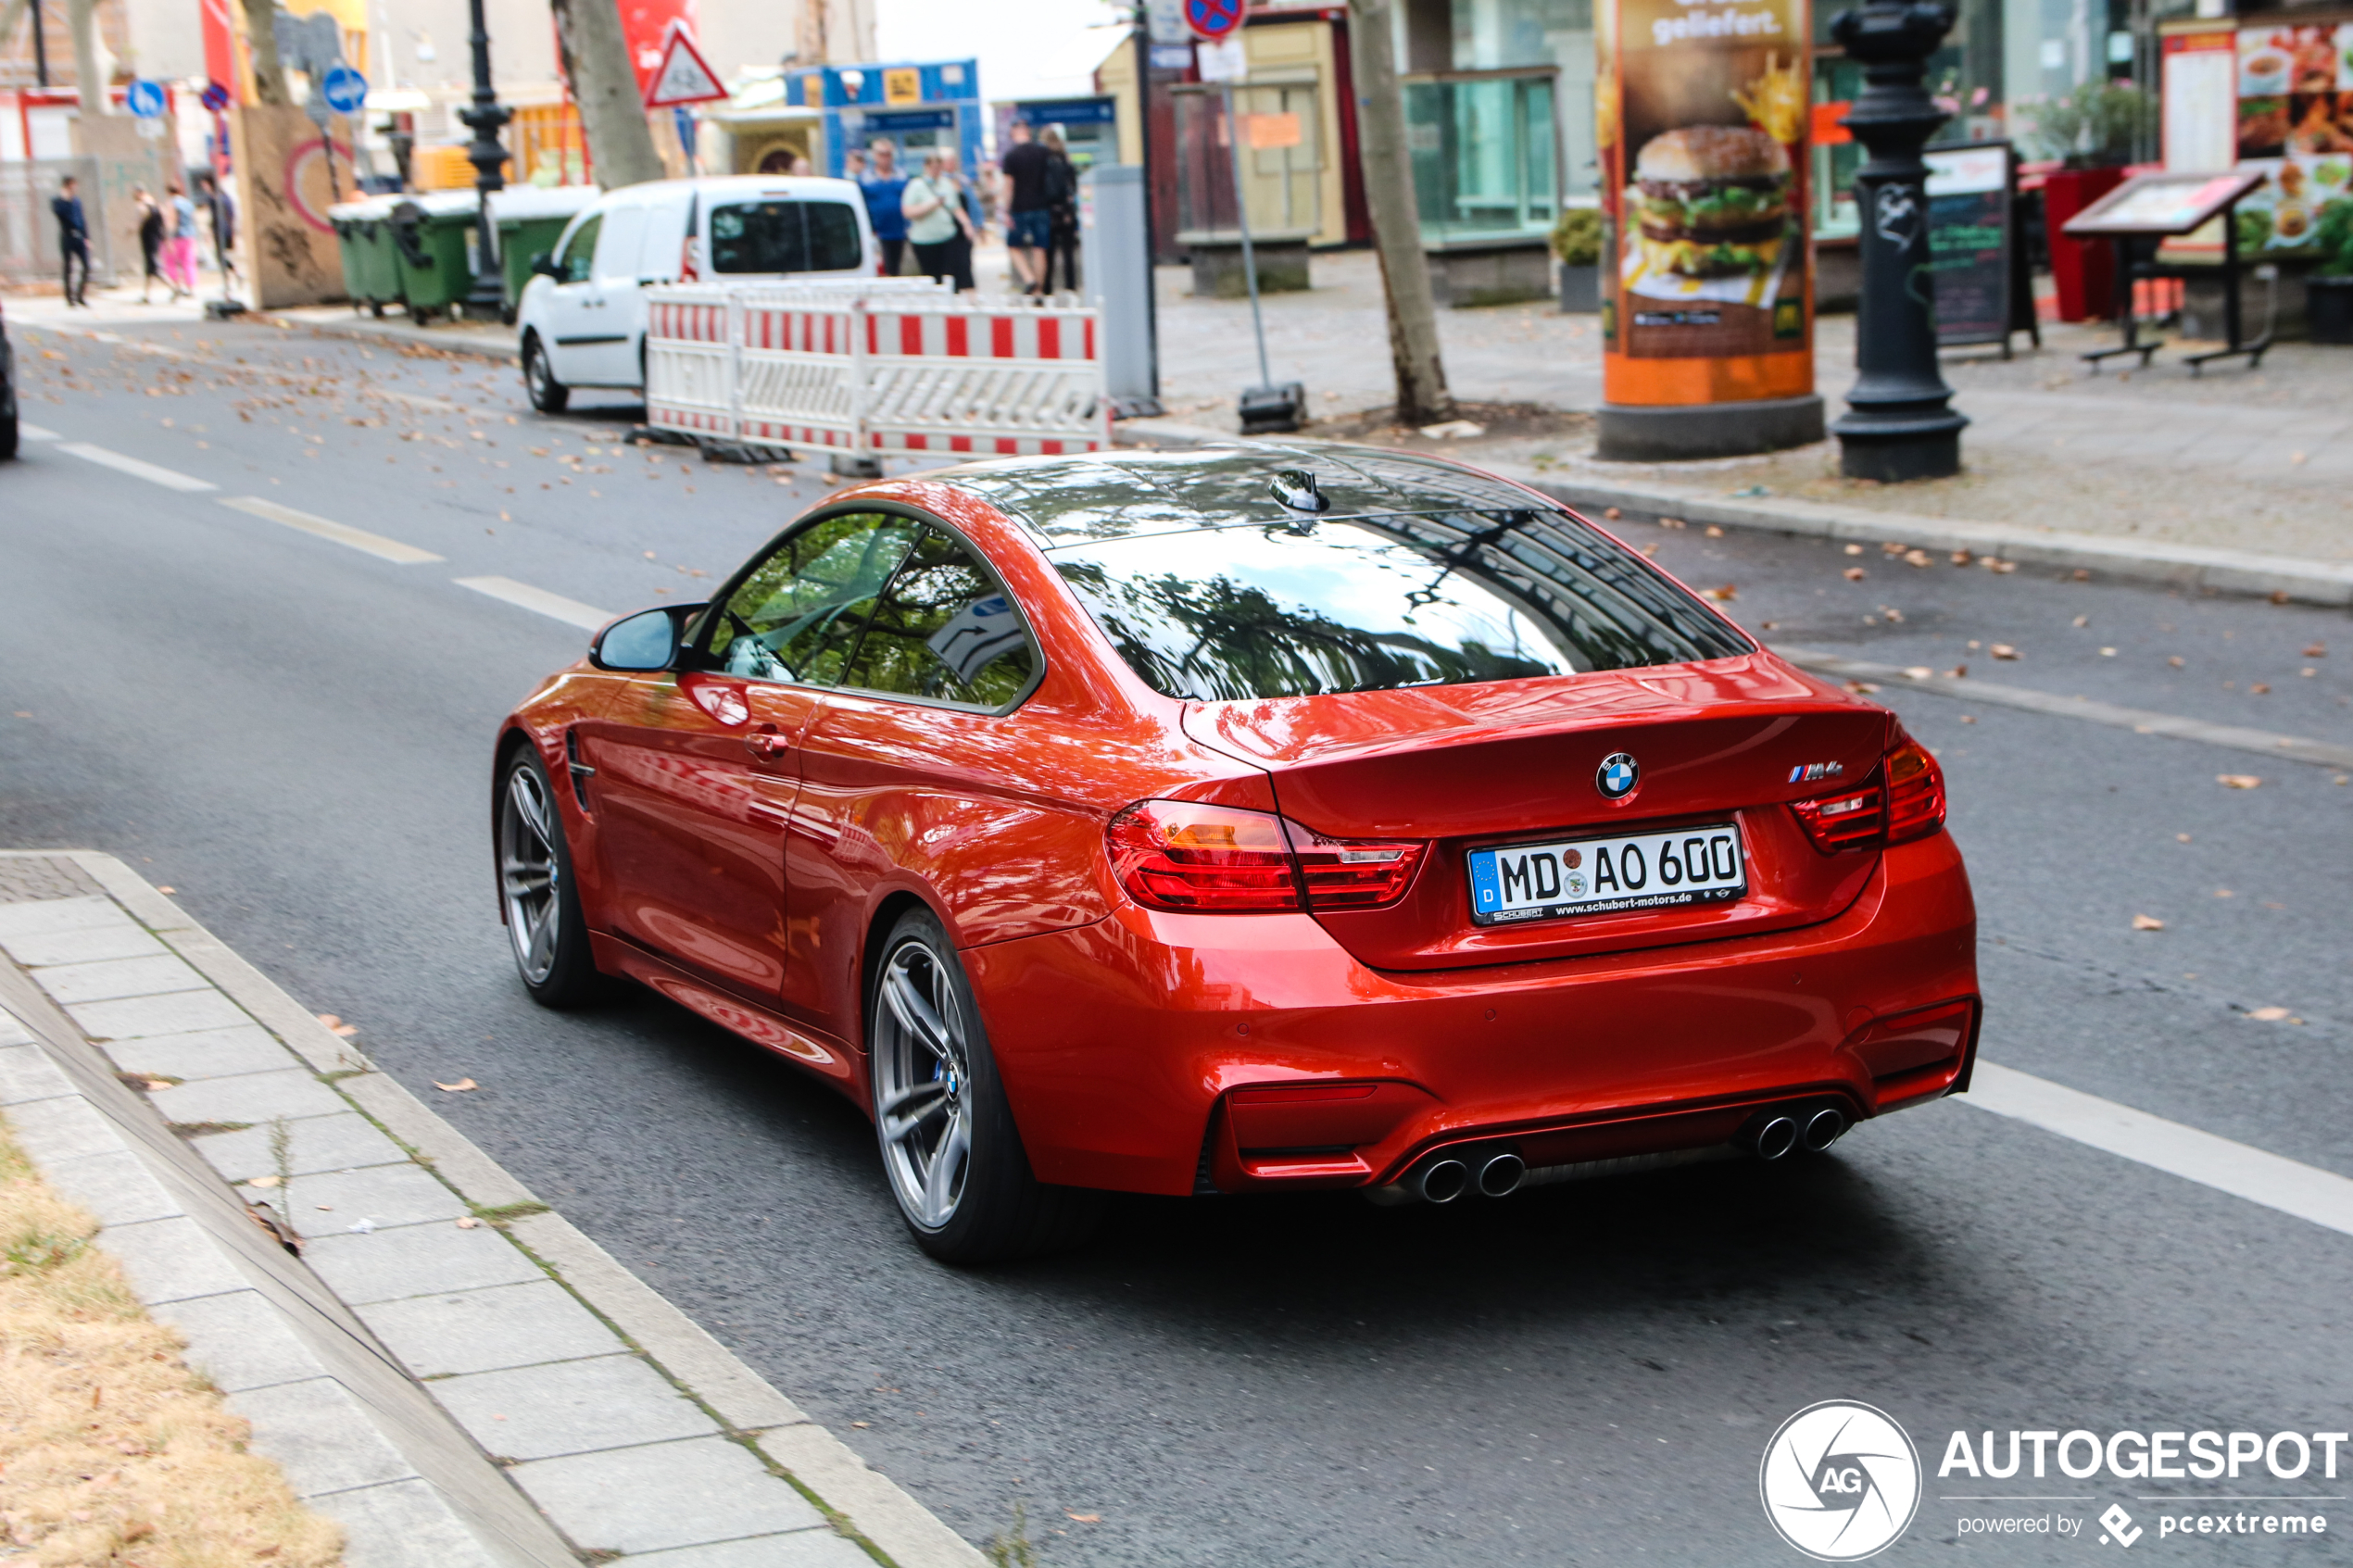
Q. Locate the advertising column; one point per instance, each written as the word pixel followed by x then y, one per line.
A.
pixel 1707 317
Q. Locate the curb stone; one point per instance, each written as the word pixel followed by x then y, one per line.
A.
pixel 504 1396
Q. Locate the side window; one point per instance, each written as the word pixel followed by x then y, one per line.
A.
pixel 797 616
pixel 579 249
pixel 833 242
pixel 946 630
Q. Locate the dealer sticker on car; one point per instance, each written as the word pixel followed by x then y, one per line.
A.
pixel 1591 876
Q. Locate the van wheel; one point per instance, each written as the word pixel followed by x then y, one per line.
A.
pixel 547 394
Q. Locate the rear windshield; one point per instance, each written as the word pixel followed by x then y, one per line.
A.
pixel 1375 603
pixel 775 235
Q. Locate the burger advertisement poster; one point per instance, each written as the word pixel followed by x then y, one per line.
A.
pixel 1704 111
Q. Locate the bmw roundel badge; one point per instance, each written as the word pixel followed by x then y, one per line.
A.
pixel 1617 776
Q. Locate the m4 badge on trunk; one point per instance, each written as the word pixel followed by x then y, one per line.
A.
pixel 1809 773
pixel 1617 776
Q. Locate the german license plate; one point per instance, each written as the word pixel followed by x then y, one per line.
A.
pixel 1594 876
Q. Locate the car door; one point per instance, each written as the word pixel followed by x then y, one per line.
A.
pixel 911 761
pixel 608 352
pixel 696 770
pixel 570 302
pixel 660 247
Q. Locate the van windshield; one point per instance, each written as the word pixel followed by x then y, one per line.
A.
pixel 777 236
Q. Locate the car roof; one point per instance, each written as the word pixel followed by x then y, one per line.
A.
pixel 1073 500
pixel 727 187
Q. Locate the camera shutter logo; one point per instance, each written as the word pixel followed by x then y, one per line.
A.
pixel 1839 1481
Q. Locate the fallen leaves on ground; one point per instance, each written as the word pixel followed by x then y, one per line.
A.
pixel 1672 522
pixel 1722 596
pixel 1854 549
pixel 1854 574
pixel 1862 688
pixel 2003 650
pixel 337 1026
pixel 460 1086
pixel 1916 557
pixel 467 1223
pixel 1086 1518
pixel 2238 780
pixel 2147 923
pixel 2317 650
pixel 2268 1015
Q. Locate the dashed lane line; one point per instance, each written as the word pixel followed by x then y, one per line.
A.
pixel 37 433
pixel 2304 1191
pixel 342 534
pixel 2140 721
pixel 572 612
pixel 169 479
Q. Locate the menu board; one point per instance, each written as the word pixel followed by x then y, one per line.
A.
pixel 2295 127
pixel 1969 241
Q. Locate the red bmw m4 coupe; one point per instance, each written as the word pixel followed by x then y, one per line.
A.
pixel 1243 819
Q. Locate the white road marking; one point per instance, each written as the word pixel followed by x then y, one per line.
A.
pixel 2140 721
pixel 37 433
pixel 2306 1191
pixel 342 534
pixel 167 478
pixel 572 612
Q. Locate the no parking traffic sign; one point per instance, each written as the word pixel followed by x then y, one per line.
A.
pixel 1213 19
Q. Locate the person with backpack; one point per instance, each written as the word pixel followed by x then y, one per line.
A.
pixel 1062 208
pixel 1022 174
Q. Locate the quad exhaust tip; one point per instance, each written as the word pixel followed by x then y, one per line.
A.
pixel 1500 1174
pixel 1823 1128
pixel 1442 1181
pixel 1774 1136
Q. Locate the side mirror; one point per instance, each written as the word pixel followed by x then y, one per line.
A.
pixel 646 641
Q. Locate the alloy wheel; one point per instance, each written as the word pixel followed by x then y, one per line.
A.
pixel 530 873
pixel 923 1084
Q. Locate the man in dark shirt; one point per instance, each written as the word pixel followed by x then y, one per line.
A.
pixel 73 239
pixel 220 209
pixel 885 190
pixel 1029 220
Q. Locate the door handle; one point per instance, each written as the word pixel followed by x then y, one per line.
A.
pixel 766 745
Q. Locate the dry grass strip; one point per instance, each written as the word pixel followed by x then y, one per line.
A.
pixel 112 1451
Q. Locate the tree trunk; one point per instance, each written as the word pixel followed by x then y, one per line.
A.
pixel 261 50
pixel 88 77
pixel 595 61
pixel 1422 398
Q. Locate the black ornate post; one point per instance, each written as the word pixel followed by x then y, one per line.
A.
pixel 485 118
pixel 1898 425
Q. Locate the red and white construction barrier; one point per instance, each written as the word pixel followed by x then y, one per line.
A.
pixel 875 366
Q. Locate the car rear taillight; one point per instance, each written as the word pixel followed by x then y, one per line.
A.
pixel 1179 855
pixel 1904 800
pixel 1915 793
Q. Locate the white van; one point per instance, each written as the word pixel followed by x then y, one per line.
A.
pixel 583 316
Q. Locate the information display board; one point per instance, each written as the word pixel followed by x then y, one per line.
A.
pixel 1972 242
pixel 1703 117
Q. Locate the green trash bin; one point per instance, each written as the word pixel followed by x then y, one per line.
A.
pixel 431 241
pixel 530 219
pixel 365 246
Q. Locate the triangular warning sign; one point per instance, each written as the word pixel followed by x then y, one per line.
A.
pixel 685 77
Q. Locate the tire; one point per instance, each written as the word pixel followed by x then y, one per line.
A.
pixel 985 1206
pixel 548 396
pixel 545 928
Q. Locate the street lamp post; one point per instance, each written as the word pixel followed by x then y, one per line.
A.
pixel 1898 425
pixel 485 118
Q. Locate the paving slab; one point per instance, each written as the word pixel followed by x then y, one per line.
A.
pixel 390 1195
pixel 254 1097
pixel 174 1014
pixel 386 1265
pixel 171 1260
pixel 206 1053
pixel 240 1340
pixel 666 1495
pixel 319 1435
pixel 507 1325
pixel 316 1143
pixel 125 940
pixel 402 1525
pixel 117 1187
pixel 805 1548
pixel 27 1073
pixel 570 1407
pixel 109 978
pixel 52 1130
pixel 51 915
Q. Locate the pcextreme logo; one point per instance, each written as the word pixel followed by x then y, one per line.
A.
pixel 1840 1480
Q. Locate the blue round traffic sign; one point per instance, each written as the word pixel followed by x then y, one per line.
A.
pixel 144 99
pixel 344 89
pixel 1213 19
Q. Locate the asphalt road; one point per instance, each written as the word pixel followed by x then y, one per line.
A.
pixel 294 736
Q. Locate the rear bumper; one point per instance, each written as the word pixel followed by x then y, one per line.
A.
pixel 1128 1046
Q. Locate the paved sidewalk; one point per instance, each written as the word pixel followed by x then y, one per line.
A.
pixel 452 1371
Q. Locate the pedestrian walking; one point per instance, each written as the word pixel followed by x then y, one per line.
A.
pixel 220 212
pixel 934 221
pixel 969 220
pixel 151 228
pixel 180 250
pixel 885 188
pixel 73 239
pixel 1030 223
pixel 1061 207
